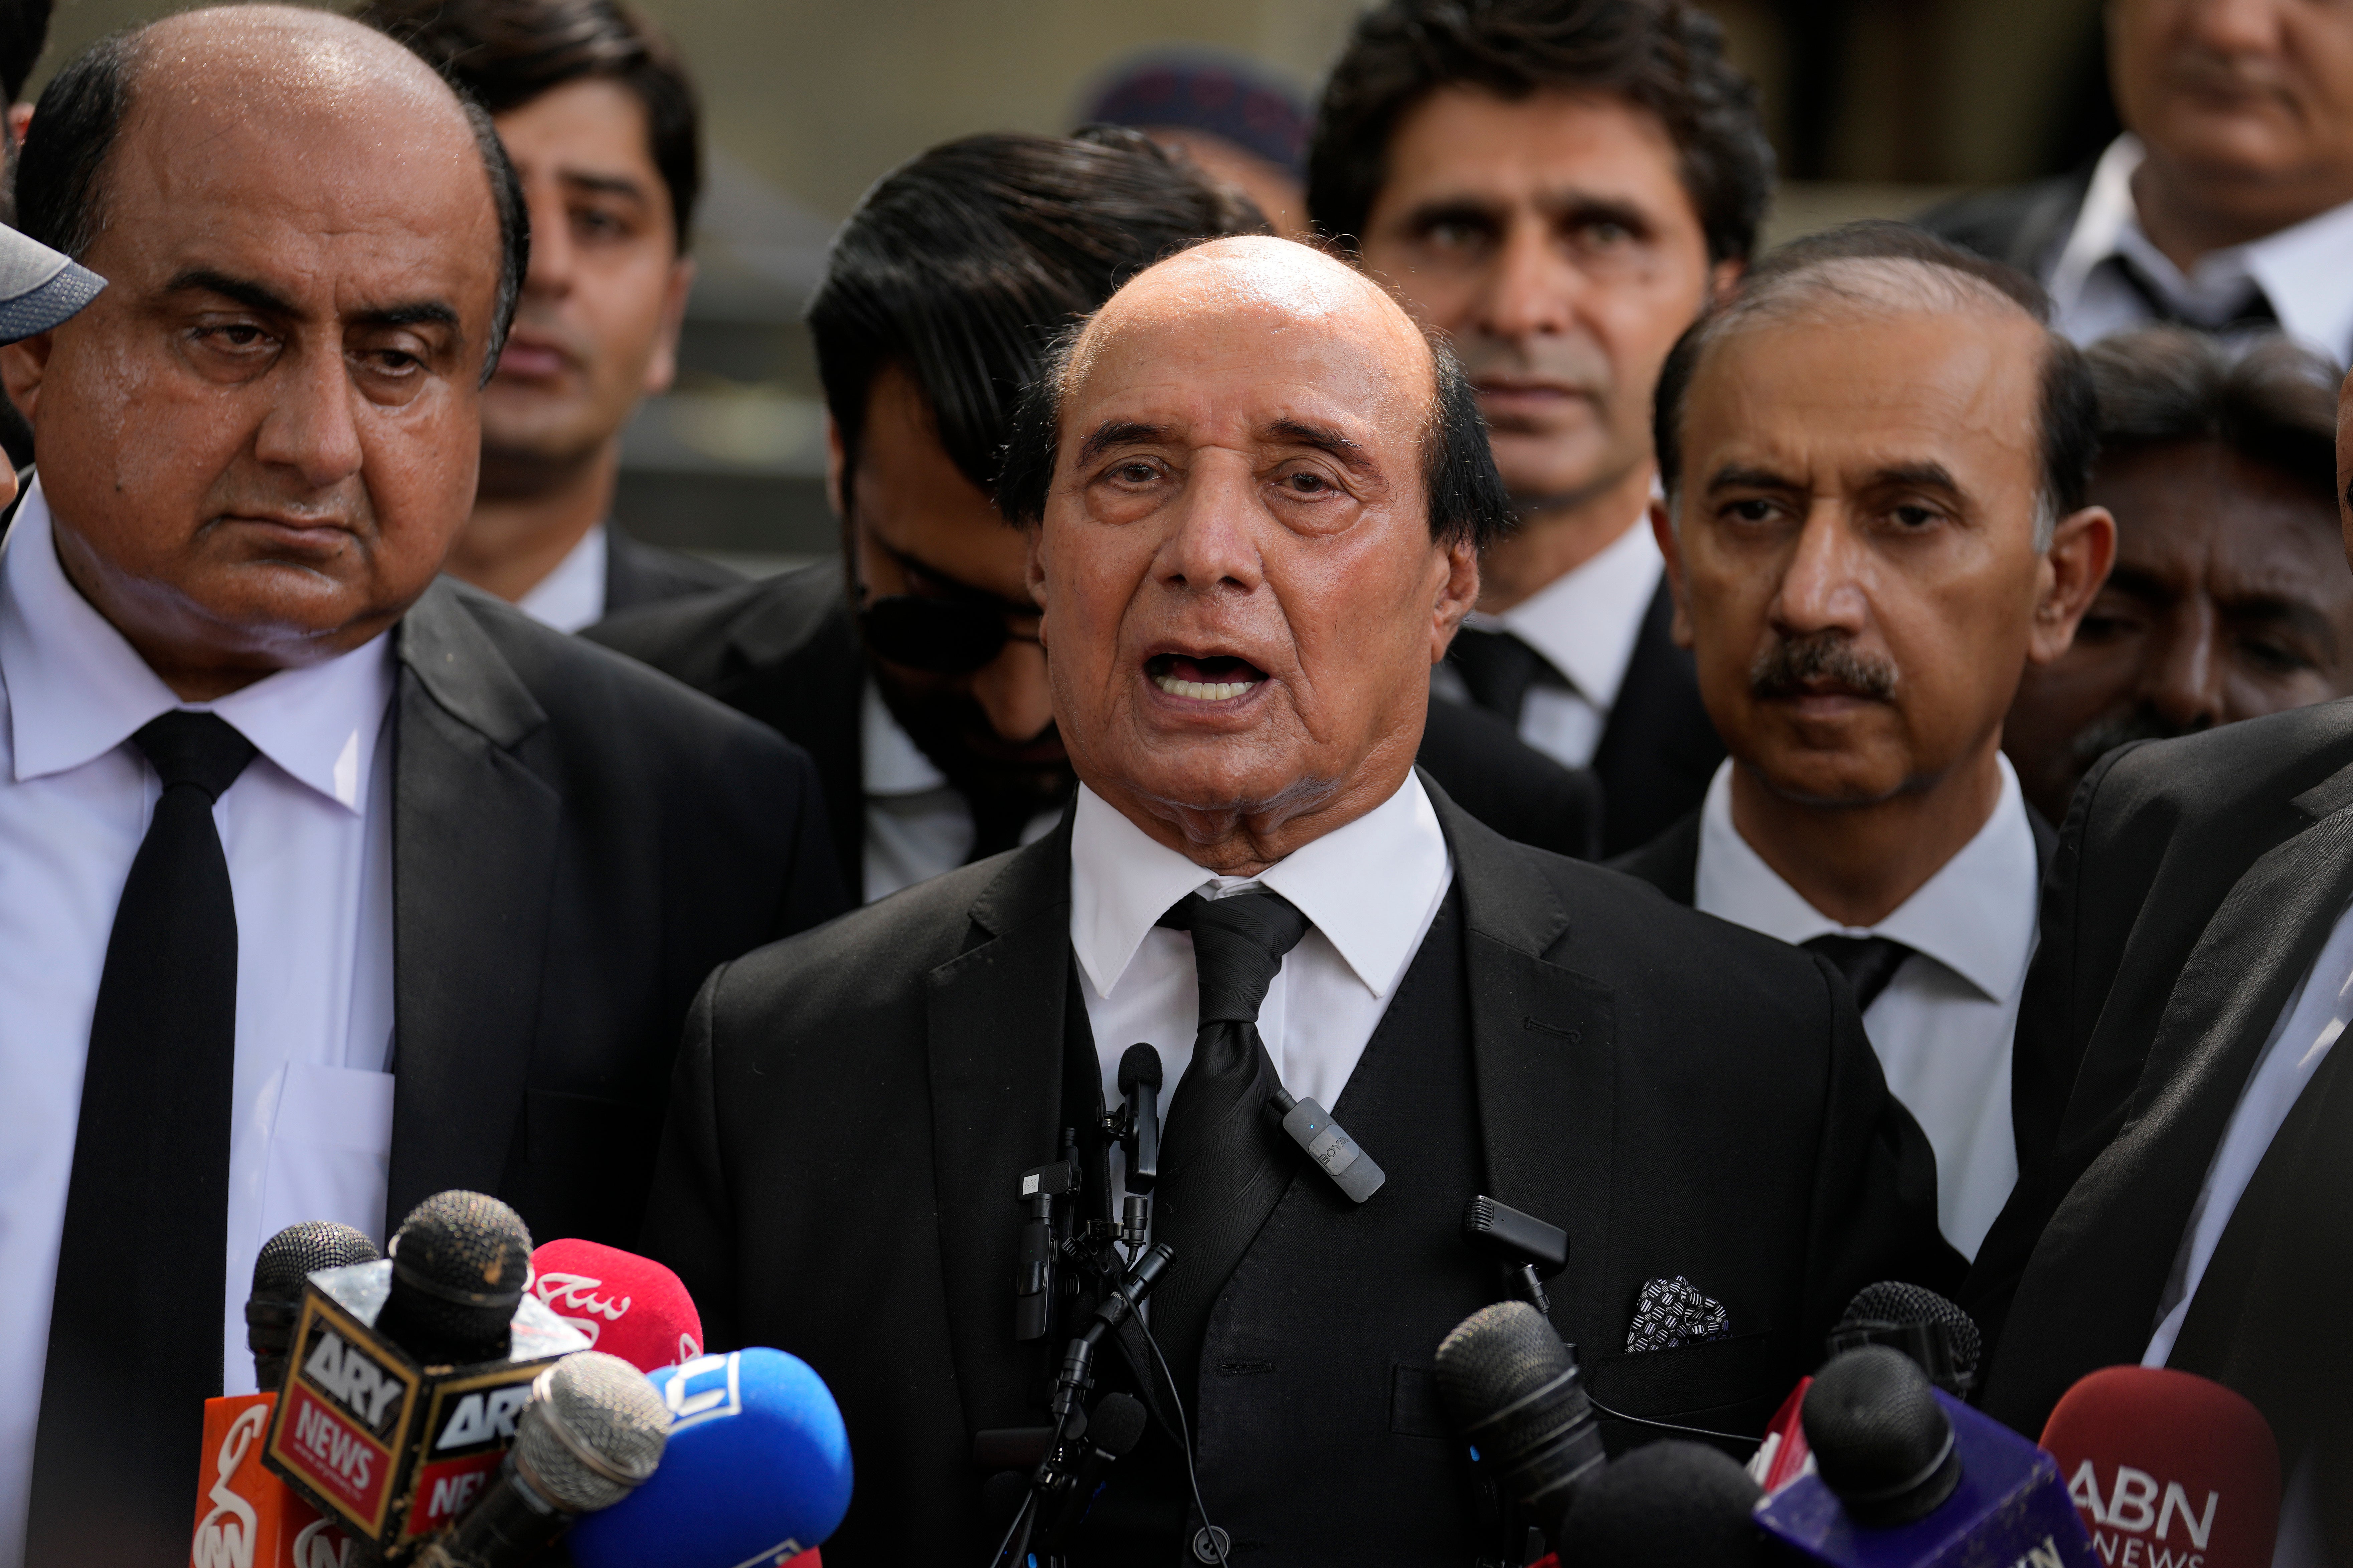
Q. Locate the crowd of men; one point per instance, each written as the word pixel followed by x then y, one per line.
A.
pixel 1800 768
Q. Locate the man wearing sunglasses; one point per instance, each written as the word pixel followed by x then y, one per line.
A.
pixel 910 671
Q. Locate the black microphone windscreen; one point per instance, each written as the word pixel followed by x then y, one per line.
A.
pixel 593 1430
pixel 1140 1065
pixel 1118 1425
pixel 299 1251
pixel 1880 1440
pixel 1670 1505
pixel 1511 1388
pixel 459 1265
pixel 1893 1301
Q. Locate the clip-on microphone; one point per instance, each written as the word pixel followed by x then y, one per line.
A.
pixel 1530 1249
pixel 1136 1125
pixel 1042 1244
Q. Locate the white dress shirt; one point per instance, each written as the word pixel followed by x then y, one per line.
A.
pixel 1585 624
pixel 1942 1028
pixel 1369 891
pixel 306 829
pixel 917 824
pixel 573 595
pixel 2301 269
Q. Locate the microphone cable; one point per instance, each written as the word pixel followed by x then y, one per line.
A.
pixel 1672 1426
pixel 1219 1542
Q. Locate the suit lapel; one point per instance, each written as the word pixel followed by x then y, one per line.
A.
pixel 1544 1054
pixel 2092 1287
pixel 795 666
pixel 996 1041
pixel 474 837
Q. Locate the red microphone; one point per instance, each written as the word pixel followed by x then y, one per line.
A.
pixel 2168 1469
pixel 1784 1455
pixel 629 1305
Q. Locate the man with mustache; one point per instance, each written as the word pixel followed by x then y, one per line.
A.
pixel 2230 597
pixel 1560 186
pixel 1252 494
pixel 1875 461
pixel 598 113
pixel 2226 205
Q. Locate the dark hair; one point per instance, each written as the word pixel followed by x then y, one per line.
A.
pixel 960 266
pixel 2275 404
pixel 2070 433
pixel 60 171
pixel 504 53
pixel 24 29
pixel 1663 56
pixel 1466 497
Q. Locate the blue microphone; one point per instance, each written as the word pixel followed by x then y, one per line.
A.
pixel 755 1473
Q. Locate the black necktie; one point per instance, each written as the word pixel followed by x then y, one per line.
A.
pixel 1497 668
pixel 1224 1163
pixel 2256 314
pixel 1868 963
pixel 136 1324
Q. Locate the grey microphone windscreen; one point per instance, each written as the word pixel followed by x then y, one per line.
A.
pixel 593 1432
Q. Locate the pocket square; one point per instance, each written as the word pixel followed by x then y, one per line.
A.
pixel 1671 1313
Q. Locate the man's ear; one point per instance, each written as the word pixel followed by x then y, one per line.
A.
pixel 661 368
pixel 2082 548
pixel 1033 577
pixel 1457 593
pixel 22 366
pixel 1662 529
pixel 1723 281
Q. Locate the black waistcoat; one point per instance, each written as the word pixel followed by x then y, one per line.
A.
pixel 1321 1439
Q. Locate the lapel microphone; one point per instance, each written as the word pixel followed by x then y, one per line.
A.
pixel 1328 1144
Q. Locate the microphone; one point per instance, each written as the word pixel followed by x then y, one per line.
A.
pixel 405 1376
pixel 1511 1389
pixel 1673 1504
pixel 2183 1466
pixel 1140 1078
pixel 628 1305
pixel 592 1432
pixel 1533 1250
pixel 1909 1477
pixel 1328 1144
pixel 1112 1432
pixel 246 1517
pixel 756 1472
pixel 1936 1334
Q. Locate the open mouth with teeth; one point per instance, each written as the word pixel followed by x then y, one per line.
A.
pixel 1219 678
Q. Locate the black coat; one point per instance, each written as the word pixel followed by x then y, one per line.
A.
pixel 576 842
pixel 2195 882
pixel 639 573
pixel 1670 861
pixel 855 1106
pixel 2025 225
pixel 786 652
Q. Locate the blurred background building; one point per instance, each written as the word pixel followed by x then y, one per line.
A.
pixel 1876 107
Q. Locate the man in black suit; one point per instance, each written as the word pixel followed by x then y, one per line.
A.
pixel 331 884
pixel 1864 575
pixel 918 685
pixel 2227 205
pixel 1253 495
pixel 599 118
pixel 1560 188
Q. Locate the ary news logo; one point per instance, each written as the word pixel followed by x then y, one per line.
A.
pixel 471 1425
pixel 345 1407
pixel 2133 1520
pixel 573 1297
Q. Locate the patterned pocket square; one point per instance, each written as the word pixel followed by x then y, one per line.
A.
pixel 1672 1314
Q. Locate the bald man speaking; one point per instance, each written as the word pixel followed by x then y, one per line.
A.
pixel 1255 496
pixel 324 886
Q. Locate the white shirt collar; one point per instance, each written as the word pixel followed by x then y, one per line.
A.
pixel 1966 917
pixel 76 688
pixel 2300 268
pixel 1585 622
pixel 1367 886
pixel 890 762
pixel 572 595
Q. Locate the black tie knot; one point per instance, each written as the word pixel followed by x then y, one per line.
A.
pixel 1238 948
pixel 191 748
pixel 1868 963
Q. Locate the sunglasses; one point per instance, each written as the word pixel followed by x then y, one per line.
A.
pixel 939 636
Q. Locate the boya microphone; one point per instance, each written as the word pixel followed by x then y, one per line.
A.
pixel 592 1432
pixel 1327 1144
pixel 1511 1391
pixel 1909 1477
pixel 285 1262
pixel 628 1305
pixel 246 1517
pixel 1932 1331
pixel 1672 1504
pixel 405 1375
pixel 756 1472
pixel 2168 1469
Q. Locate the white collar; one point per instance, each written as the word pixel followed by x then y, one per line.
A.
pixel 889 761
pixel 76 688
pixel 572 594
pixel 2300 268
pixel 1366 885
pixel 1585 621
pixel 1966 917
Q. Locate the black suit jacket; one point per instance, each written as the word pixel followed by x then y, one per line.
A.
pixel 2024 226
pixel 786 652
pixel 576 842
pixel 1670 861
pixel 854 1109
pixel 2195 882
pixel 639 573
